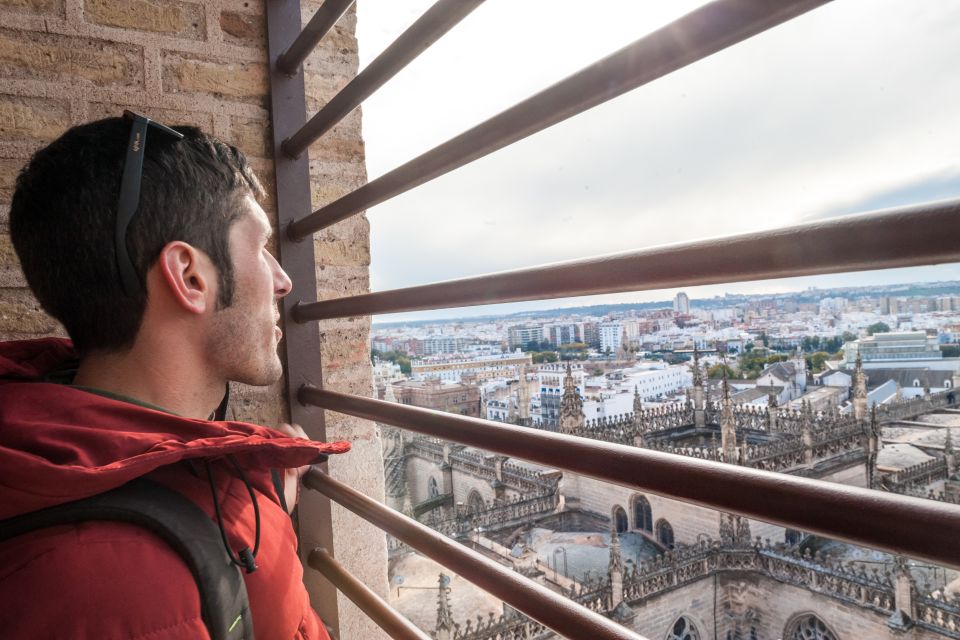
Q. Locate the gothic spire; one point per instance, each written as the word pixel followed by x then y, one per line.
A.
pixel 728 425
pixel 637 401
pixel 571 405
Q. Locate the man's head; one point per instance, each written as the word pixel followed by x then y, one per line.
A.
pixel 195 193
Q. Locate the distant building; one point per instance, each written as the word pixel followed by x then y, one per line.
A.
pixel 611 336
pixel 437 344
pixel 448 369
pixel 681 304
pixel 905 349
pixel 563 333
pixel 452 397
pixel 522 336
pixel 591 334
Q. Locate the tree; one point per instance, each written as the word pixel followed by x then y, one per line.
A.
pixel 397 357
pixel 716 371
pixel 878 327
pixel 544 356
pixel 816 360
pixel 950 350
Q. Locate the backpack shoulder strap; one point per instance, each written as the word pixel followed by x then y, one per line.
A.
pixel 181 524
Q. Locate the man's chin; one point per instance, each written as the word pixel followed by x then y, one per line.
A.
pixel 265 377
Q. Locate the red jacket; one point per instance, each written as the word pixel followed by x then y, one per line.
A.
pixel 108 580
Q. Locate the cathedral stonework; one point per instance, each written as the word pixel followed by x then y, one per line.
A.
pixel 749 579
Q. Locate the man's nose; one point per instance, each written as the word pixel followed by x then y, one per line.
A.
pixel 282 285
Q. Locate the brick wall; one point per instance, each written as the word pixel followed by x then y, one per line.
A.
pixel 63 62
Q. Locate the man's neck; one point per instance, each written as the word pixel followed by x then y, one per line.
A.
pixel 173 384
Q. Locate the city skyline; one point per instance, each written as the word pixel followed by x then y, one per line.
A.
pixel 665 302
pixel 772 132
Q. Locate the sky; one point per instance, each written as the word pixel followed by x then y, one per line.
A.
pixel 849 108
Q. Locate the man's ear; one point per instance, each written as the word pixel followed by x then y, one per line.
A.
pixel 189 276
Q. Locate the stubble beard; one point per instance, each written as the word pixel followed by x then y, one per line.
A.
pixel 237 347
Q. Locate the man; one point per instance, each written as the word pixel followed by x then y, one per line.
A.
pixel 162 276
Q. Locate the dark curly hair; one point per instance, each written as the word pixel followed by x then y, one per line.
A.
pixel 64 210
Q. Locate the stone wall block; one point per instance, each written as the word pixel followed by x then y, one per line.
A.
pixel 345 244
pixel 243 29
pixel 29 118
pixel 9 169
pixel 336 282
pixel 253 137
pixel 71 60
pixel 181 19
pixel 52 8
pixel 21 315
pixel 226 79
pixel 260 405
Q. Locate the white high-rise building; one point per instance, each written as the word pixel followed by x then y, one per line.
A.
pixel 611 336
pixel 681 303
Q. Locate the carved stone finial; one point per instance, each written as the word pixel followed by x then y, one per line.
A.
pixel 616 557
pixel 697 372
pixel 637 401
pixel 859 390
pixel 444 628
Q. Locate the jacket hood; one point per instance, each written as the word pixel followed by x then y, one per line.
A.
pixel 60 443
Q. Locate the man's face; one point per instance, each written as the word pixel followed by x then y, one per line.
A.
pixel 243 338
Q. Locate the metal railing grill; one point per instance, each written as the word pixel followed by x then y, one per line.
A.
pixel 910 236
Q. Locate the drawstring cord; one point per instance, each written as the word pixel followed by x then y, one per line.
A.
pixel 244 557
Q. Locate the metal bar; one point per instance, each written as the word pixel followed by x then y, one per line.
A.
pixel 553 610
pixel 923 529
pixel 386 617
pixel 322 21
pixel 903 237
pixel 301 348
pixel 429 28
pixel 696 35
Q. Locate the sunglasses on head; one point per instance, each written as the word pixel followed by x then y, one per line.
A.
pixel 130 194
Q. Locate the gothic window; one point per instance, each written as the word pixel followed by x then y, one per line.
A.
pixel 792 536
pixel 642 515
pixel 808 627
pixel 683 629
pixel 432 489
pixel 665 533
pixel 475 503
pixel 620 519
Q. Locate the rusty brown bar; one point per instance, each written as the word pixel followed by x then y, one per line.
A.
pixel 696 35
pixel 301 349
pixel 322 21
pixel 903 237
pixel 386 617
pixel 553 610
pixel 432 25
pixel 923 529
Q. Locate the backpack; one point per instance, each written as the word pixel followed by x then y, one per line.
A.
pixel 183 525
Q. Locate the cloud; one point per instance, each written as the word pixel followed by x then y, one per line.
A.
pixel 828 114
